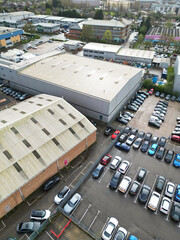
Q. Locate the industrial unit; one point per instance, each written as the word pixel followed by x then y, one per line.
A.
pixel 9 36
pixel 38 138
pixel 159 34
pixel 177 75
pixel 96 88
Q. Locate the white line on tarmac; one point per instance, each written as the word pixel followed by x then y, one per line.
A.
pixel 167 218
pixel 94 220
pixel 49 235
pixel 29 204
pixel 85 213
pixel 4 225
pixel 104 225
pixel 179 225
pixel 103 175
pixel 152 189
pixel 51 206
pixel 76 207
pixel 25 235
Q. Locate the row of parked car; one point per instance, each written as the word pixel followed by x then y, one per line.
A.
pixel 175 135
pixel 157 117
pixel 167 97
pixel 16 94
pixel 124 117
pixel 137 101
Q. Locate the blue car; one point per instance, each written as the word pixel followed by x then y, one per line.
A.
pixel 176 162
pixel 177 194
pixel 152 149
pixel 132 237
pixel 122 146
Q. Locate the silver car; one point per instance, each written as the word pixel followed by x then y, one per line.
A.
pixel 115 162
pixel 72 203
pixel 169 191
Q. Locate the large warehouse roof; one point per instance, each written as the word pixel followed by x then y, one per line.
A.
pixel 81 74
pixel 102 47
pixel 34 134
pixel 128 52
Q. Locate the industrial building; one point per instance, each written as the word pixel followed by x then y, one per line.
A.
pixel 38 137
pixel 92 3
pixel 159 34
pixel 9 36
pixel 47 27
pixel 96 88
pixel 177 75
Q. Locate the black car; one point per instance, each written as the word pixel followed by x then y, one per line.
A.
pixel 173 98
pixel 27 227
pixel 144 194
pixel 137 103
pixel 154 139
pixel 154 123
pixel 141 134
pixel 115 180
pixel 134 188
pixel 50 183
pixel 141 174
pixel 175 211
pixel 157 94
pixel 122 120
pixel 139 100
pixel 129 114
pixel 134 131
pixel 178 99
pixel 108 131
pixel 123 137
pixel 160 183
pixel 162 95
pixel 98 171
pixel 169 156
pixel 168 97
pixel 162 142
pixel 164 102
pixel 148 136
pixel 127 129
pixel 145 146
pixel 160 153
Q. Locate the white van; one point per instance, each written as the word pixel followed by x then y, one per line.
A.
pixel 154 200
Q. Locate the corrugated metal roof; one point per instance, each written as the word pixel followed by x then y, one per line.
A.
pixel 34 134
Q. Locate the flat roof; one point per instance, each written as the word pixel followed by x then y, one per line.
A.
pixel 102 47
pixel 129 52
pixel 46 24
pixel 4 30
pixel 34 134
pixel 72 42
pixel 76 20
pixel 95 78
pixel 108 23
pixel 40 16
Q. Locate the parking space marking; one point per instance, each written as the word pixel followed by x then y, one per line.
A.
pixel 104 225
pixel 29 204
pixel 151 191
pixel 167 218
pixel 49 235
pixel 76 178
pixel 85 213
pixel 4 225
pixel 135 201
pixel 160 199
pixel 128 169
pixel 76 207
pixel 178 225
pixel 94 220
pixel 103 175
pixel 70 185
pixel 25 235
pixel 51 206
pixel 128 235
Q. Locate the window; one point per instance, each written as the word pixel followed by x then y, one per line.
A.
pixel 46 131
pixel 62 121
pixel 15 131
pixel 82 125
pixel 72 131
pixel 23 112
pixel 26 143
pixel 36 154
pixel 55 141
pixel 17 167
pixel 60 106
pixel 50 111
pixel 72 116
pixel 7 154
pixel 34 120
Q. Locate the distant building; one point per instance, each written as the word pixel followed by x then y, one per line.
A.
pixel 9 36
pixel 119 3
pixel 177 75
pixel 47 27
pixel 164 8
pixel 94 3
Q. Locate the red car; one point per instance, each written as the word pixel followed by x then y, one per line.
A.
pixel 151 91
pixel 175 138
pixel 106 159
pixel 114 135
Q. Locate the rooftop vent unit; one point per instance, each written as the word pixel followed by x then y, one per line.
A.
pixel 101 78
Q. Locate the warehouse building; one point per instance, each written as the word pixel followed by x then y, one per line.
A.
pixel 9 36
pixel 177 75
pixel 38 137
pixel 47 27
pixel 159 34
pixel 96 88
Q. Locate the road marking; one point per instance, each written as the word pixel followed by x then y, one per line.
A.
pixel 4 225
pixel 103 175
pixel 128 169
pixel 29 204
pixel 151 191
pixel 49 235
pixel 131 183
pixel 51 206
pixel 160 199
pixel 167 218
pixel 76 177
pixel 25 235
pixel 76 207
pixel 94 220
pixel 85 213
pixel 179 225
pixel 104 225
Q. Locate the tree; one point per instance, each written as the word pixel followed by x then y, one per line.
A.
pixel 99 14
pixel 107 36
pixel 56 3
pixel 148 84
pixel 87 32
pixel 148 22
pixel 148 44
pixel 168 24
pixel 29 28
pixel 48 11
pixel 143 30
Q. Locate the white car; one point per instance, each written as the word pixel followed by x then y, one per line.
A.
pixel 123 186
pixel 40 214
pixel 130 139
pixel 61 195
pixel 123 167
pixel 109 229
pixel 72 203
pixel 115 162
pixel 169 190
pixel 121 234
pixel 165 205
pixel 154 200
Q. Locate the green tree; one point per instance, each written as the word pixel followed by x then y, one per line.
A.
pixel 168 24
pixel 148 44
pixel 48 11
pixel 87 33
pixel 107 36
pixel 170 78
pixel 140 38
pixel 56 3
pixel 143 30
pixel 148 84
pixel 29 28
pixel 99 14
pixel 148 22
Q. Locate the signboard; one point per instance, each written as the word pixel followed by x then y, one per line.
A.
pixel 65 162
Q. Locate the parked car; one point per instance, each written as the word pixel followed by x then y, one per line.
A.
pixel 169 190
pixel 175 138
pixel 98 171
pixel 145 146
pixel 162 95
pixel 160 153
pixel 115 163
pixel 154 123
pixel 130 140
pixel 123 186
pixel 141 174
pixel 115 180
pixel 127 129
pixel 123 137
pixel 106 159
pixel 122 120
pixel 134 188
pixel 177 193
pixel 108 131
pixel 62 195
pixel 134 131
pixel 169 156
pixel 151 91
pixel 148 136
pixel 132 108
pixel 132 237
pixel 173 98
pixel 157 94
pixel 122 146
pixel 40 214
pixel 178 99
pixel 115 134
pixel 152 149
pixel 165 205
pixel 50 183
pixel 153 201
pixel 109 229
pixel 72 203
pixel 141 134
pixel 176 161
pixel 129 114
pixel 162 141
pixel 25 96
pixel 137 143
pixel 175 211
pixel 27 227
pixel 160 183
pixel 121 234
pixel 144 194
pixel 123 166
